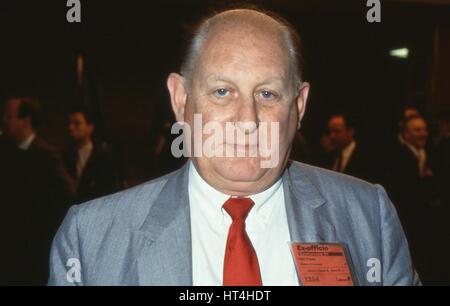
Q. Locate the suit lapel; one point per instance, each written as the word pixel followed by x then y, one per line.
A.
pixel 89 167
pixel 72 157
pixel 307 222
pixel 165 257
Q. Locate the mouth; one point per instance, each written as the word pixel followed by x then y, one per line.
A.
pixel 246 148
pixel 242 146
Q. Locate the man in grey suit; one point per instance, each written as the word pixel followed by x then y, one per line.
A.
pixel 229 220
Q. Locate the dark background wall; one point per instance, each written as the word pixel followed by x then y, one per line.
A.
pixel 129 47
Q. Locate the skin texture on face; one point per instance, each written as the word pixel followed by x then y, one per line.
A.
pixel 79 129
pixel 340 135
pixel 18 129
pixel 416 133
pixel 243 75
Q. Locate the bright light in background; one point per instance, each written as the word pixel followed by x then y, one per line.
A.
pixel 401 52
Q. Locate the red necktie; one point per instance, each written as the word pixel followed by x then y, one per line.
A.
pixel 241 267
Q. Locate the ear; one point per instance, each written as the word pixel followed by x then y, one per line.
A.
pixel 301 101
pixel 178 95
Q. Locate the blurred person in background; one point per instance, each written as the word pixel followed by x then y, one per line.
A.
pixel 407 111
pixel 35 193
pixel 322 152
pixel 348 155
pixel 91 165
pixel 412 185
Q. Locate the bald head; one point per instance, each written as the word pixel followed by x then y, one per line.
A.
pixel 242 26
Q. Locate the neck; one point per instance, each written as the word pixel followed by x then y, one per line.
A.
pixel 25 135
pixel 83 143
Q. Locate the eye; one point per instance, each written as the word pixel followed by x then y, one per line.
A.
pixel 221 92
pixel 267 95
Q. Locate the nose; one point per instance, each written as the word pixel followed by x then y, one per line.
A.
pixel 247 117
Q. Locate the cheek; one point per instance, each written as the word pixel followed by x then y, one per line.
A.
pixel 214 113
pixel 287 124
pixel 18 124
pixel 74 132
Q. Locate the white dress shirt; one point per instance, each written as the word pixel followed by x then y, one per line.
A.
pixel 83 155
pixel 346 154
pixel 25 145
pixel 266 226
pixel 421 156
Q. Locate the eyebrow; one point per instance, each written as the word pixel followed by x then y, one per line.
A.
pixel 220 79
pixel 227 80
pixel 272 80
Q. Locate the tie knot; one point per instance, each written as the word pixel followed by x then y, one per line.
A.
pixel 238 208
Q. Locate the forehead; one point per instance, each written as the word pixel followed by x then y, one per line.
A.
pixel 337 122
pixel 410 111
pixel 78 116
pixel 417 123
pixel 247 50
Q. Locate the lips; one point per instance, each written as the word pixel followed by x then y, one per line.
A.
pixel 246 149
pixel 242 146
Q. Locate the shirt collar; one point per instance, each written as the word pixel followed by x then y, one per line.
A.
pixel 212 200
pixel 86 148
pixel 348 150
pixel 25 145
pixel 417 152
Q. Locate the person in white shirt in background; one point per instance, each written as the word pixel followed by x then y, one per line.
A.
pixel 92 164
pixel 348 155
pixel 415 135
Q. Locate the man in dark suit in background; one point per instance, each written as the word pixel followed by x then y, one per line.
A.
pixel 348 156
pixel 92 165
pixel 35 191
pixel 411 173
pixel 412 185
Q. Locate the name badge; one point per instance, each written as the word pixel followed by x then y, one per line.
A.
pixel 322 264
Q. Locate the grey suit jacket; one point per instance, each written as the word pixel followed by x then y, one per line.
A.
pixel 142 236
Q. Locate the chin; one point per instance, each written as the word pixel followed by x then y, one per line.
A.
pixel 240 169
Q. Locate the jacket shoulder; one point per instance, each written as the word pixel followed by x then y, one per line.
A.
pixel 126 209
pixel 323 177
pixel 340 191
